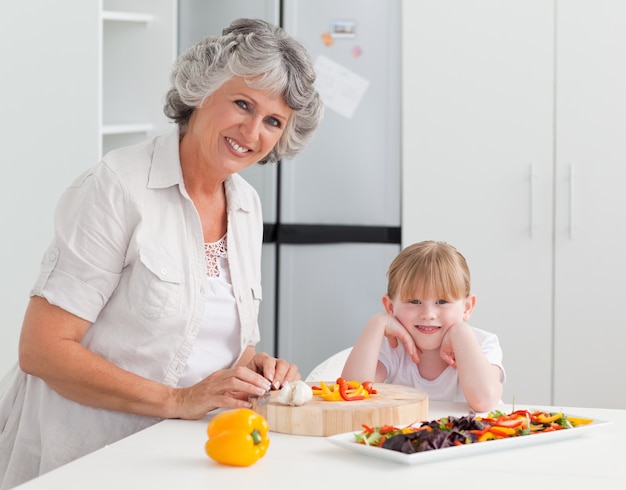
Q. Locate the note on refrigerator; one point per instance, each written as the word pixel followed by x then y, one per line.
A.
pixel 341 89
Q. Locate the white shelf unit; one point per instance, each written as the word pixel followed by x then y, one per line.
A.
pixel 138 48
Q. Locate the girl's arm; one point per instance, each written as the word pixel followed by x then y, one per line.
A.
pixel 362 363
pixel 479 379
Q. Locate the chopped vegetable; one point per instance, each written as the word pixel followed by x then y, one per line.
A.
pixel 344 390
pixel 455 431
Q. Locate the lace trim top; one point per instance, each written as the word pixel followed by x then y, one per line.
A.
pixel 217 345
pixel 213 252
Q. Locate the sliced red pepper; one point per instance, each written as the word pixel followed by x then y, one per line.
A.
pixel 510 423
pixel 369 386
pixel 479 432
pixel 386 429
pixel 343 391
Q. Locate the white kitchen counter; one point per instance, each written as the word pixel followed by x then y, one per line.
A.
pixel 170 455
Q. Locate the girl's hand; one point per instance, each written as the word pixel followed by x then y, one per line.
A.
pixel 446 350
pixel 395 332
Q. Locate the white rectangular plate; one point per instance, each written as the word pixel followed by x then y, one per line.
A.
pixel 347 440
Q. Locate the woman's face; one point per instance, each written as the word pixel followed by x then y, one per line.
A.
pixel 236 127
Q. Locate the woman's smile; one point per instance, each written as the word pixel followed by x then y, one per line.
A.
pixel 236 146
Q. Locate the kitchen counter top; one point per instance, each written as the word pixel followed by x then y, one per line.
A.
pixel 170 455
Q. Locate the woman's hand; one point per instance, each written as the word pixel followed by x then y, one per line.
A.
pixel 227 388
pixel 254 375
pixel 277 371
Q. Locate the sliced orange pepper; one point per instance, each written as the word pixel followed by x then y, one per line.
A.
pixel 546 418
pixel 576 421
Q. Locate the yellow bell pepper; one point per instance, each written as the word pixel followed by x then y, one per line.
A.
pixel 237 437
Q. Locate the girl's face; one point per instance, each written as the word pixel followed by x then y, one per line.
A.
pixel 236 127
pixel 427 320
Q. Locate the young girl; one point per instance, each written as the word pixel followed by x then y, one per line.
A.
pixel 422 339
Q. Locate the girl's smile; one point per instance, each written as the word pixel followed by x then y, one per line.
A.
pixel 426 329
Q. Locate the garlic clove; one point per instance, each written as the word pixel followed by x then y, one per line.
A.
pixel 286 394
pixel 295 393
pixel 302 393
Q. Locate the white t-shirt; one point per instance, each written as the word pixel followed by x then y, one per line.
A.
pixel 217 343
pixel 402 370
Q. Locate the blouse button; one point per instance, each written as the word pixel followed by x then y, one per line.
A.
pixel 163 270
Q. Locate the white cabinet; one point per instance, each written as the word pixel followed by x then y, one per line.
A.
pixel 477 123
pixel 590 231
pixel 513 130
pixel 139 46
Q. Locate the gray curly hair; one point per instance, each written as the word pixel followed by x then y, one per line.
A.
pixel 269 59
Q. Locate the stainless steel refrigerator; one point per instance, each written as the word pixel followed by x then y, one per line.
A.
pixel 332 214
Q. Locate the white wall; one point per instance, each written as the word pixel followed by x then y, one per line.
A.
pixel 48 134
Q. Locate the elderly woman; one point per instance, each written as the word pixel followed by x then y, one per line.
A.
pixel 147 301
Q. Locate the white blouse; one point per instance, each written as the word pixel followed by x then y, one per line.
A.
pixel 127 255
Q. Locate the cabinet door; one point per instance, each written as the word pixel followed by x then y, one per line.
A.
pixel 477 164
pixel 590 264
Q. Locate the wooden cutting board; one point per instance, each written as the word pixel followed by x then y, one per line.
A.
pixel 393 405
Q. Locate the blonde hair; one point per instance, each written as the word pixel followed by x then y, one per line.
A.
pixel 426 270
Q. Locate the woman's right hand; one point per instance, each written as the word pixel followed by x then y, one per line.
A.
pixel 227 388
